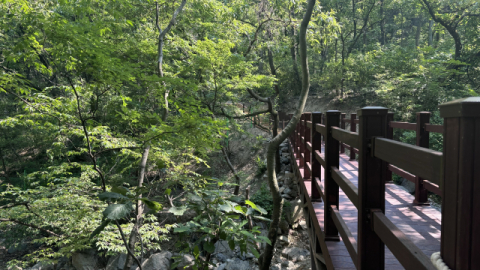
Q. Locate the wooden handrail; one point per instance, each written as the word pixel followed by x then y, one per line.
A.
pixel 350 138
pixel 420 161
pixel 404 125
pixel 320 157
pixel 321 129
pixel 406 252
pixel 434 128
pixel 309 124
pixel 346 185
pixel 347 237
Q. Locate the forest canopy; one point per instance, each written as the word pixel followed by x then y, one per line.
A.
pixel 108 108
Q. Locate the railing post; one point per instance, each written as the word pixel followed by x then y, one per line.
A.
pixel 307 154
pixel 460 241
pixel 353 128
pixel 332 119
pixel 371 187
pixel 297 139
pixel 301 145
pixel 342 125
pixel 389 135
pixel 316 146
pixel 292 135
pixel 423 140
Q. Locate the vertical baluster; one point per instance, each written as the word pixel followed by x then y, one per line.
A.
pixel 332 119
pixel 301 144
pixel 371 187
pixel 389 135
pixel 307 156
pixel 316 146
pixel 353 128
pixel 342 125
pixel 423 140
pixel 460 241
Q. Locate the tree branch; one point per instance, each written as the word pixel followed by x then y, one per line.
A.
pixel 28 225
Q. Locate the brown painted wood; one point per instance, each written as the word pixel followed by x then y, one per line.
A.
pixel 346 185
pixel 371 188
pixel 320 158
pixel 347 237
pixel 316 146
pixel 432 187
pixel 332 119
pixel 403 125
pixel 356 121
pixel 301 143
pixel 307 136
pixel 309 124
pixel 402 173
pixel 321 129
pixel 420 161
pixel 342 126
pixel 434 128
pixel 475 248
pixel 389 135
pixel 347 137
pixel 407 253
pixel 353 128
pixel 309 146
pixel 423 140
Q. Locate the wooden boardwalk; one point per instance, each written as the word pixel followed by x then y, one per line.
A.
pixel 420 223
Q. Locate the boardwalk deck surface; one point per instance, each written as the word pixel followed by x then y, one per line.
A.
pixel 420 223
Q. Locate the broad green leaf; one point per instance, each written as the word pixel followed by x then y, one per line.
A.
pixel 178 211
pixel 111 196
pixel 117 211
pixel 155 206
pixel 254 251
pixel 100 228
pixel 231 244
pixel 261 218
pixel 120 189
pixel 209 247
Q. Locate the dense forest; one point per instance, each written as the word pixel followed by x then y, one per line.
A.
pixel 110 111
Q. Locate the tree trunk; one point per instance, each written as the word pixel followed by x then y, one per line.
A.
pixel 4 165
pixel 430 33
pixel 273 71
pixel 382 24
pixel 266 258
pixel 417 34
pixel 139 209
pixel 237 178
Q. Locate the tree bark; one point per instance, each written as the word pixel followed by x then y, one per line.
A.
pixel 139 209
pixel 430 33
pixel 273 71
pixel 266 258
pixel 237 178
pixel 5 172
pixel 382 23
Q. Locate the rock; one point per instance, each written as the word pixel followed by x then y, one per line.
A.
pixel 284 226
pixel 187 260
pixel 158 261
pixel 237 264
pixel 303 224
pixel 285 160
pixel 222 247
pixel 294 212
pixel 287 191
pixel 117 262
pixel 286 155
pixel 283 239
pixel 409 186
pixel 249 255
pixel 294 253
pixel 221 266
pixel 41 266
pixel 286 196
pixel 276 267
pixel 85 260
pixel 282 189
pixel 279 231
pixel 221 257
pixel 17 248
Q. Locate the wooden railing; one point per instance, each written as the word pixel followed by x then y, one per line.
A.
pixel 454 174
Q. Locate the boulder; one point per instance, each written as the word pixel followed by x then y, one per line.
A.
pixel 84 260
pixel 303 224
pixel 116 262
pixel 42 266
pixel 222 247
pixel 158 261
pixel 295 253
pixel 283 239
pixel 220 267
pixel 186 260
pixel 286 197
pixel 294 212
pixel 281 189
pixel 237 264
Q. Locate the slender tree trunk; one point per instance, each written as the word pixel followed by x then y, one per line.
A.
pixel 237 178
pixel 139 210
pixel 260 62
pixel 418 32
pixel 266 258
pixel 4 165
pixel 354 19
pixel 430 33
pixel 273 71
pixel 382 23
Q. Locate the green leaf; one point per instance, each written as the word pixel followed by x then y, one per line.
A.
pixel 261 218
pixel 264 239
pixel 120 189
pixel 168 191
pixel 258 208
pixel 111 196
pixel 100 228
pixel 254 252
pixel 196 251
pixel 178 211
pixel 231 244
pixel 209 247
pixel 155 206
pixel 181 229
pixel 247 234
pixel 130 22
pixel 117 211
pixel 223 235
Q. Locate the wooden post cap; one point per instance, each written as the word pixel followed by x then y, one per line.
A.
pixel 464 107
pixel 371 110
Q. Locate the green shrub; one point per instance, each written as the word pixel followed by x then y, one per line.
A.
pixel 264 199
pixel 261 166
